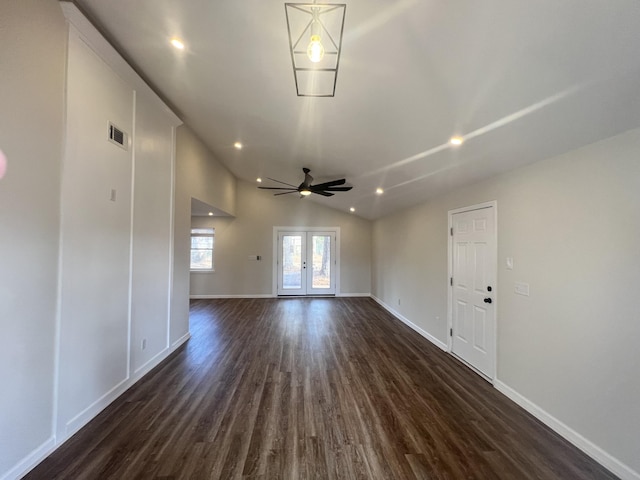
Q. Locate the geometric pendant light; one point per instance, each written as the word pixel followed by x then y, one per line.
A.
pixel 315 41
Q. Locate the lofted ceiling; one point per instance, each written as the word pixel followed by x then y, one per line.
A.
pixel 519 80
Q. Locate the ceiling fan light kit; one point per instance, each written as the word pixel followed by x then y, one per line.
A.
pixel 305 189
pixel 315 42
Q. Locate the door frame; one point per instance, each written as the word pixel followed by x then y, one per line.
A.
pixel 274 257
pixel 494 358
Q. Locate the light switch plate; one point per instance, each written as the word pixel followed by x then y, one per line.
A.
pixel 509 263
pixel 522 289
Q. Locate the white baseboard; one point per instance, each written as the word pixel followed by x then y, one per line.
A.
pixel 598 454
pixel 208 297
pixel 30 461
pixel 175 345
pixel 267 295
pixel 441 345
pixel 86 415
pixel 150 364
pixel 80 420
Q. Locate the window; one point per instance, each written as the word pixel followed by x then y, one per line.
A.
pixel 202 242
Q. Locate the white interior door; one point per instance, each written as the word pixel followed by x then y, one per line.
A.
pixel 306 263
pixel 473 288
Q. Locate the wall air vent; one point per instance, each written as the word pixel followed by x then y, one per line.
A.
pixel 117 136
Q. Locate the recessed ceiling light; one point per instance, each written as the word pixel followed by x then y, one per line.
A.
pixel 259 180
pixel 352 209
pixel 211 214
pixel 237 146
pixel 456 140
pixel 379 191
pixel 176 42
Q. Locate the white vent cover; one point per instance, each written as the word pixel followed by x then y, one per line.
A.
pixel 117 136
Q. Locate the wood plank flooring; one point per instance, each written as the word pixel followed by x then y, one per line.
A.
pixel 312 388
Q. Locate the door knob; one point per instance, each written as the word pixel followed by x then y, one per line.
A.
pixel 487 300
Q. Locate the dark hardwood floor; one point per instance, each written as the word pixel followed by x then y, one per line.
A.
pixel 322 388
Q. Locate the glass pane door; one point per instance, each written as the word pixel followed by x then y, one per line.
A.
pixel 291 274
pixel 321 262
pixel 306 263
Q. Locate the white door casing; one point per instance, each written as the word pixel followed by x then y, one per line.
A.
pixel 473 274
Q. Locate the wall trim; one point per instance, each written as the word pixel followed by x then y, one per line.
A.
pixel 150 364
pixel 29 462
pixel 211 297
pixel 177 344
pixel 598 454
pixel 438 343
pixel 92 411
pixel 111 56
pixel 269 295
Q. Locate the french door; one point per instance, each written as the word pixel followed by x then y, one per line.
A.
pixel 306 263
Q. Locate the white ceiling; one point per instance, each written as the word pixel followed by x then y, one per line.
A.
pixel 521 80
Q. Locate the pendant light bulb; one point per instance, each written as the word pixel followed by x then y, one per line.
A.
pixel 315 50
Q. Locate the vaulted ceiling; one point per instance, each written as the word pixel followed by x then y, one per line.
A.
pixel 519 80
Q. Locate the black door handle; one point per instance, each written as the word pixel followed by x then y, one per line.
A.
pixel 487 300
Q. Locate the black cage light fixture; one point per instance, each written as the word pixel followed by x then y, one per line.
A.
pixel 315 42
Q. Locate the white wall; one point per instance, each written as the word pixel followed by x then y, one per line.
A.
pixel 84 277
pixel 572 225
pixel 32 53
pixel 152 247
pixel 116 232
pixel 198 175
pixel 96 233
pixel 251 233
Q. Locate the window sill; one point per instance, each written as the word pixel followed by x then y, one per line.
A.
pixel 202 271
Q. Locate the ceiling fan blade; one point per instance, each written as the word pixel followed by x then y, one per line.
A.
pixel 337 189
pixel 307 177
pixel 278 188
pixel 333 183
pixel 324 194
pixel 285 193
pixel 284 183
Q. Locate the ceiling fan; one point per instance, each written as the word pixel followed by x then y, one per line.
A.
pixel 305 188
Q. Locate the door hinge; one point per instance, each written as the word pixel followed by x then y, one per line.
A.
pixel 451 281
pixel 451 230
pixel 451 332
